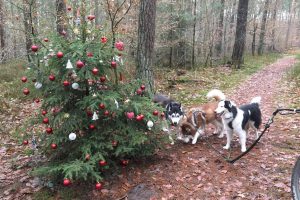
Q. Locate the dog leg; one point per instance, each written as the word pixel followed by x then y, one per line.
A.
pixel 198 133
pixel 242 138
pixel 221 128
pixel 229 138
pixel 252 124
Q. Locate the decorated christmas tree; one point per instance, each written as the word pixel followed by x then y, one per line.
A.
pixel 90 119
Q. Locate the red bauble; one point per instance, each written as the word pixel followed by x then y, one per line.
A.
pixel 69 8
pixel 46 120
pixel 119 45
pixel 53 146
pixel 139 118
pixel 103 39
pixel 60 54
pixel 92 126
pixel 95 71
pixel 106 113
pixel 46 40
pixel 66 83
pixel 89 113
pixel 102 79
pixel 139 91
pixel 98 186
pixel 87 157
pixel 44 112
pixel 49 130
pixel 162 114
pixel 51 77
pixel 34 48
pixel 130 115
pixel 25 142
pixel 91 17
pixel 142 116
pixel 26 91
pixel 67 182
pixel 79 64
pixel 102 163
pixel 37 100
pixel 63 33
pixel 24 79
pixel 89 54
pixel 101 105
pixel 143 87
pixel 114 143
pixel 155 112
pixel 124 162
pixel 113 64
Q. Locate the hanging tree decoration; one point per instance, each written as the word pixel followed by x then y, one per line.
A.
pixel 75 86
pixel 38 85
pixel 150 124
pixel 69 65
pixel 95 116
pixel 72 136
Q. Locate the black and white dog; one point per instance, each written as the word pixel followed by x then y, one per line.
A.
pixel 173 113
pixel 240 119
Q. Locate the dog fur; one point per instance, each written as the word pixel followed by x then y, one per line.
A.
pixel 194 123
pixel 240 119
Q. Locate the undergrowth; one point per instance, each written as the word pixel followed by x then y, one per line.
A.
pixel 192 87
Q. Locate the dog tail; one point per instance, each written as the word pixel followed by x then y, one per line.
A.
pixel 161 99
pixel 215 94
pixel 256 100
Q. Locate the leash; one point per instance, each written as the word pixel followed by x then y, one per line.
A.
pixel 281 111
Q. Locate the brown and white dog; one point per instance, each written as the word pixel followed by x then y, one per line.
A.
pixel 193 124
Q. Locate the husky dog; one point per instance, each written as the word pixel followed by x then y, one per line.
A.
pixel 240 119
pixel 174 111
pixel 193 125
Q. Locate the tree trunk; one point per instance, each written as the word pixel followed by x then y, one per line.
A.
pixel 145 46
pixel 13 33
pixel 194 33
pixel 263 29
pixel 254 37
pixel 29 30
pixel 2 36
pixel 220 29
pixel 240 34
pixel 289 24
pixel 97 13
pixel 274 16
pixel 61 24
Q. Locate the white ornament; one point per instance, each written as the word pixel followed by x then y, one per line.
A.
pixel 150 124
pixel 75 86
pixel 38 85
pixel 117 104
pixel 95 116
pixel 69 65
pixel 72 136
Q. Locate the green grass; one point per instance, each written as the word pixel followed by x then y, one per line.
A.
pixel 192 87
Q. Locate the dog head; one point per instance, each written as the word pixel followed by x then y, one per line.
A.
pixel 224 107
pixel 174 112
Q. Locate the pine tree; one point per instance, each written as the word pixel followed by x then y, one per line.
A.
pixel 91 120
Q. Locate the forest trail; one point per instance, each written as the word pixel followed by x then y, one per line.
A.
pixel 197 172
pixel 188 171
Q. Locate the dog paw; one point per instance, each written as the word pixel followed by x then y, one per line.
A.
pixel 243 150
pixel 194 141
pixel 221 136
pixel 165 130
pixel 226 147
pixel 186 140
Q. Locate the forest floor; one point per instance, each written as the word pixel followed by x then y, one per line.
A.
pixel 186 171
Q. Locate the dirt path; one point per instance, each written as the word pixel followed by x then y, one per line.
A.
pixel 197 172
pixel 188 171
